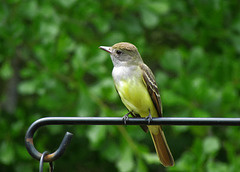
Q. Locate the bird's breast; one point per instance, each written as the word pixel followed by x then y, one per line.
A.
pixel 132 90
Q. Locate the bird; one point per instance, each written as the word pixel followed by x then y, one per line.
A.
pixel 137 88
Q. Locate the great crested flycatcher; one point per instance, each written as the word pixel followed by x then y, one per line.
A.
pixel 135 83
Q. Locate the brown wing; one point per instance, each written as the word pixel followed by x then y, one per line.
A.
pixel 151 85
pixel 159 140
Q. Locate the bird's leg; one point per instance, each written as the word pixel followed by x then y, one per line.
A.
pixel 149 117
pixel 125 117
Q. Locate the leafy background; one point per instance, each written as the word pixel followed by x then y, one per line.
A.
pixel 50 65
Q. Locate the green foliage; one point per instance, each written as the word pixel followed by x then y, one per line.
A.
pixel 50 65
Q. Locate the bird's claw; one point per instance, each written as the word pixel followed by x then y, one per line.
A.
pixel 126 117
pixel 149 118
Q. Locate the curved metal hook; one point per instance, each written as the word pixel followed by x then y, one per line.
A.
pixel 33 151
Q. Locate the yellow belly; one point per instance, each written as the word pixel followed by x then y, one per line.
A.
pixel 135 97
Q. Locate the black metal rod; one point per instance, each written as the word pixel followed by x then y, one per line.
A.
pixel 111 121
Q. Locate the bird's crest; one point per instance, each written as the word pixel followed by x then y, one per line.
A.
pixel 125 46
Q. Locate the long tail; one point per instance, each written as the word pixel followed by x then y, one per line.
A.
pixel 161 147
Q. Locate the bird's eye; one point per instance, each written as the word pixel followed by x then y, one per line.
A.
pixel 119 52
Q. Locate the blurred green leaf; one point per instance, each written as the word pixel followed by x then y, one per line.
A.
pixel 80 59
pixel 172 61
pixel 211 145
pixel 49 31
pixel 66 4
pixel 4 12
pixel 96 134
pixel 6 71
pixel 217 166
pixel 170 98
pixel 185 163
pixel 159 7
pixel 141 166
pixel 24 167
pixel 112 152
pixel 105 90
pixel 125 162
pixel 151 158
pixel 7 152
pixel 27 87
pixel 196 57
pixel 32 7
pixel 149 18
pixel 85 105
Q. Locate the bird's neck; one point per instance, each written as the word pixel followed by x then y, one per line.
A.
pixel 126 72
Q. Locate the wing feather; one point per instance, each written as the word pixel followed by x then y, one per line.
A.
pixel 149 81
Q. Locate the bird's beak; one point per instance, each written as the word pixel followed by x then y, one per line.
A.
pixel 108 49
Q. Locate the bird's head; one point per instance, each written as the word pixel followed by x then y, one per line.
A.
pixel 123 53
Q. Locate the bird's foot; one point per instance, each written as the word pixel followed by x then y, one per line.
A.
pixel 149 117
pixel 125 117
